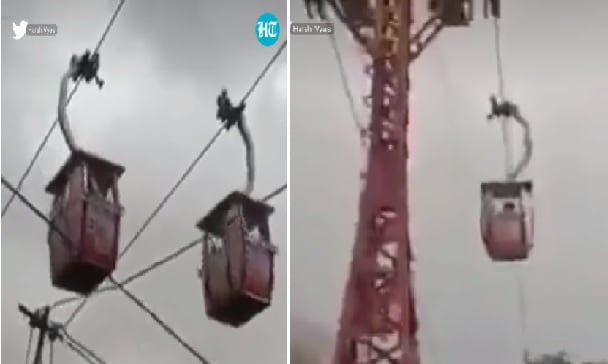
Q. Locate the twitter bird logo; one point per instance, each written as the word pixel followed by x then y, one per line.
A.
pixel 20 29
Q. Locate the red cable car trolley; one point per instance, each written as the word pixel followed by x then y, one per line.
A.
pixel 86 208
pixel 238 256
pixel 506 206
pixel 506 220
pixel 238 259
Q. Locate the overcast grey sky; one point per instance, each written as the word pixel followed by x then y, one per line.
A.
pixel 555 57
pixel 164 63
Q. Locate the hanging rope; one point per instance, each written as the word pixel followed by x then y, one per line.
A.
pixel 521 294
pixel 505 110
pixel 504 120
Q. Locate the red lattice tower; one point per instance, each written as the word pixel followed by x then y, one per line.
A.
pixel 378 322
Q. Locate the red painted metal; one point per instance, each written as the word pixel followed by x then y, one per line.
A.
pixel 507 220
pixel 86 208
pixel 378 322
pixel 238 259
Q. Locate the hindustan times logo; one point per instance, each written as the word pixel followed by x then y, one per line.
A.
pixel 268 29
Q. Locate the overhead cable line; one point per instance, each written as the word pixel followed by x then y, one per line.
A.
pixel 162 324
pixel 197 159
pixel 166 198
pixel 155 212
pixel 81 353
pixel 131 278
pixel 275 193
pixel 345 85
pixel 184 175
pixel 45 140
pixel 264 71
pixel 79 348
pixel 119 285
pixel 30 205
pixel 156 264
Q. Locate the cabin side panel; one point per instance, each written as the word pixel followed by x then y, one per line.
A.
pixel 259 261
pixel 506 220
pixel 100 238
pixel 59 252
pixel 234 244
pixel 66 215
pixel 216 275
pixel 508 237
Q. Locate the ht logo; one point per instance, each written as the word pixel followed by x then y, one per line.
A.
pixel 268 29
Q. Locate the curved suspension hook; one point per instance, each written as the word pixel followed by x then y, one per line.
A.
pixel 527 142
pixel 249 155
pixel 508 109
pixel 85 67
pixel 62 116
pixel 230 115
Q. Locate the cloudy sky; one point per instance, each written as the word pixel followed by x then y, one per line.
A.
pixel 164 63
pixel 555 56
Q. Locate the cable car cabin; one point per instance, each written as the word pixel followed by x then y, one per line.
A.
pixel 507 220
pixel 86 208
pixel 453 13
pixel 238 259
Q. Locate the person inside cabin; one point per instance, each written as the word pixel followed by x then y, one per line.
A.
pixel 508 207
pixel 87 67
pixel 226 112
pixel 254 236
pixel 511 215
pixel 509 211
